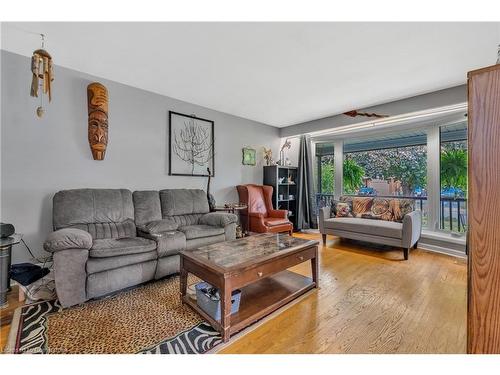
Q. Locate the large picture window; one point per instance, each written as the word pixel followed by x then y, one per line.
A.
pixel 325 174
pixel 453 176
pixel 387 166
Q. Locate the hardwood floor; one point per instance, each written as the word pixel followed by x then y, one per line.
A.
pixel 371 301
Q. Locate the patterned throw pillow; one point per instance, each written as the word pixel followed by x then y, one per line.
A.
pixel 346 199
pixel 343 210
pixel 381 210
pixel 361 206
pixel 333 208
pixel 401 207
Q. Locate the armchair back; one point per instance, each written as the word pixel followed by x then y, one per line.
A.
pixel 258 198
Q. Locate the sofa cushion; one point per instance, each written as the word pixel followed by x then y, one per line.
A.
pixel 110 263
pixel 109 230
pixel 200 230
pixel 273 221
pixel 366 226
pixel 85 206
pixel 195 243
pixel 146 206
pixel 110 247
pixel 183 202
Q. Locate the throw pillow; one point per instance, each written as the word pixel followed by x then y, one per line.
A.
pixel 343 209
pixel 361 206
pixel 401 207
pixel 381 210
pixel 333 208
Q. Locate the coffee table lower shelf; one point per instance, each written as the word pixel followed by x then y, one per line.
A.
pixel 260 299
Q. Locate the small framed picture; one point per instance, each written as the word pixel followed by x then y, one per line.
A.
pixel 249 156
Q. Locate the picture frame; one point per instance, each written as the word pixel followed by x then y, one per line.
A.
pixel 191 145
pixel 249 156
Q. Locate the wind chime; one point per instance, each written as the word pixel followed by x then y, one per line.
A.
pixel 43 75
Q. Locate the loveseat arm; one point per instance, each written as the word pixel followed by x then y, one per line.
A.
pixel 68 238
pixel 412 228
pixel 218 219
pixel 324 214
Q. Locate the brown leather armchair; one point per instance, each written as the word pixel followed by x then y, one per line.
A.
pixel 263 218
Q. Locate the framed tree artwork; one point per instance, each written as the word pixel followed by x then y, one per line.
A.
pixel 191 145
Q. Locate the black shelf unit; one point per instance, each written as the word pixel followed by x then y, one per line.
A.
pixel 289 178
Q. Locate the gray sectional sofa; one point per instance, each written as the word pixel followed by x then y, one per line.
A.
pixel 106 240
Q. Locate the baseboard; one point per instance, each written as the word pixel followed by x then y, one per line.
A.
pixel 442 250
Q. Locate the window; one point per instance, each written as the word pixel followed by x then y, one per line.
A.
pixel 325 174
pixel 388 165
pixel 453 177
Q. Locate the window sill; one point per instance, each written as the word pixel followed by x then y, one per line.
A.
pixel 443 236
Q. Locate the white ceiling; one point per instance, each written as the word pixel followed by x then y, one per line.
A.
pixel 276 73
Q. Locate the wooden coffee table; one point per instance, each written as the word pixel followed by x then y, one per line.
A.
pixel 257 265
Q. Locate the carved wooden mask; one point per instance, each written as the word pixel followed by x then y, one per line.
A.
pixel 97 101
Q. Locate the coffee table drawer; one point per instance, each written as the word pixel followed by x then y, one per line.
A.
pixel 240 279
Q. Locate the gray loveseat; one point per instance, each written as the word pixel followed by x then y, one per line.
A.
pixel 106 240
pixel 379 221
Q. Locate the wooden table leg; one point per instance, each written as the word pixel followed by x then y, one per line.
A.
pixel 183 280
pixel 226 310
pixel 21 295
pixel 315 268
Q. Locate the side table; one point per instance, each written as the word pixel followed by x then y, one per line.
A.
pixel 5 263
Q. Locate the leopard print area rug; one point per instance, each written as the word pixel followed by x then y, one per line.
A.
pixel 147 319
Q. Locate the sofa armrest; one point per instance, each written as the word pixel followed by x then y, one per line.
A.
pixel 158 226
pixel 282 214
pixel 70 248
pixel 218 219
pixel 68 238
pixel 324 214
pixel 412 228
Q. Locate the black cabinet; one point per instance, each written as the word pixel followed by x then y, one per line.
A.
pixel 284 181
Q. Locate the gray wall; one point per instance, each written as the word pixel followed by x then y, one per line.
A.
pixel 41 156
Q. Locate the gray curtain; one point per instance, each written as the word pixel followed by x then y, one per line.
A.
pixel 306 218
